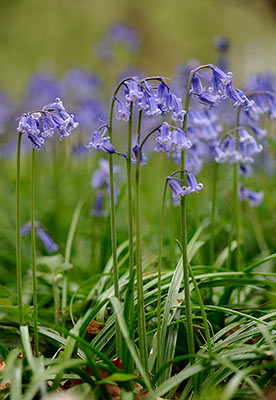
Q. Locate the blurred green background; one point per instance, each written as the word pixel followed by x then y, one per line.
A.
pixel 59 34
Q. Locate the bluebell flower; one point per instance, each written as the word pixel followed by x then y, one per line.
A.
pixel 259 132
pixel 101 142
pixel 209 99
pixel 171 141
pixel 98 210
pixel 178 112
pixel 220 79
pixel 196 85
pixel 177 190
pixel 143 158
pixel 245 169
pixel 29 125
pixel 254 198
pixel 46 239
pixel 227 151
pixel 26 229
pixel 133 91
pixel 179 141
pixel 272 105
pixel 238 96
pixel 163 138
pixel 122 111
pixel 193 186
pixel 162 91
pixel 248 146
pixel 48 126
pixel 42 234
pixel 64 122
pixel 152 107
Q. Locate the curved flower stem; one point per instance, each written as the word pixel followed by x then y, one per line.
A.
pixel 237 205
pixel 139 126
pixel 190 333
pixel 113 215
pixel 236 219
pixel 213 212
pixel 140 293
pixel 18 235
pixel 172 233
pixel 129 305
pixel 113 231
pixel 129 189
pixel 32 212
pixel 159 357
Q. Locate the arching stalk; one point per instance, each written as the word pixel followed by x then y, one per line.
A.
pixel 18 234
pixel 32 213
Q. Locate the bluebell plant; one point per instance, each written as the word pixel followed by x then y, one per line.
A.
pixel 38 126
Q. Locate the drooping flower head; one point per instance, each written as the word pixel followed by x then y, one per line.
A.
pixel 101 142
pixel 41 124
pixel 254 198
pixel 42 235
pixel 179 191
pixel 171 139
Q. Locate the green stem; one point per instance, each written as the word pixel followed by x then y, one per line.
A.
pixel 113 230
pixel 139 126
pixel 113 215
pixel 172 233
pixel 140 293
pixel 129 192
pixel 130 301
pixel 230 237
pixel 236 201
pixel 190 333
pixel 213 212
pixel 56 297
pixel 18 235
pixel 32 211
pixel 159 350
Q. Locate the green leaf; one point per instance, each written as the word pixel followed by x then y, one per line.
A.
pixel 4 292
pixel 117 377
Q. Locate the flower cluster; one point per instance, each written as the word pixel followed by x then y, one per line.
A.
pixel 179 191
pixel 42 124
pixel 254 198
pixel 153 100
pixel 237 150
pixel 220 88
pixel 171 139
